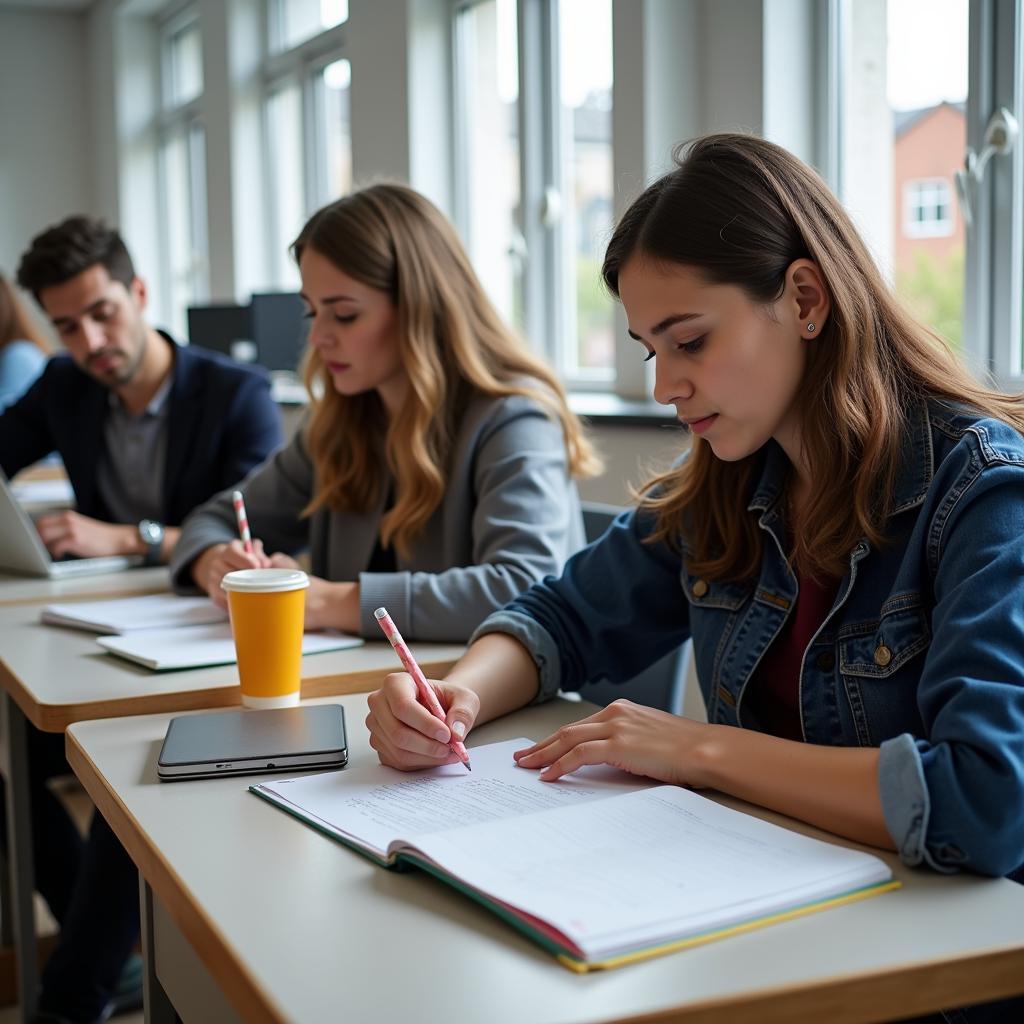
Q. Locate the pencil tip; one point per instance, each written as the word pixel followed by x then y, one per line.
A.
pixel 466 763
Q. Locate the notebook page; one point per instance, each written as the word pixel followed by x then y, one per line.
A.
pixel 374 805
pixel 647 867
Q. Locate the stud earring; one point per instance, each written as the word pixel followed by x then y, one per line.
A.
pixel 810 328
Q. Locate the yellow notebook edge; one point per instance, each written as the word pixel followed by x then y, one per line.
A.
pixel 582 967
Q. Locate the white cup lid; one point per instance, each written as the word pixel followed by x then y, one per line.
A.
pixel 264 581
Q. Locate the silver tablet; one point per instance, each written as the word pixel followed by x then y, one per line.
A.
pixel 219 743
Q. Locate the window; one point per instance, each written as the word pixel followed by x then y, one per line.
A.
pixel 487 127
pixel 927 208
pixel 903 126
pixel 284 172
pixel 306 126
pixel 534 170
pixel 293 22
pixel 585 59
pixel 182 170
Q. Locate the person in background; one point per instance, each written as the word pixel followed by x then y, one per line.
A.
pixel 435 471
pixel 23 349
pixel 844 544
pixel 147 430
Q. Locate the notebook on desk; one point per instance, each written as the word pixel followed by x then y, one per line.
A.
pixel 601 868
pixel 23 551
pixel 168 650
pixel 129 614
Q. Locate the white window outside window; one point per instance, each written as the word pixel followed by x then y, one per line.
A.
pixel 927 208
pixel 902 129
pixel 307 133
pixel 182 169
pixel 533 170
pixel 293 22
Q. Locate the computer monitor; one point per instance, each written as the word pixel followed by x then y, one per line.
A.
pixel 223 328
pixel 278 329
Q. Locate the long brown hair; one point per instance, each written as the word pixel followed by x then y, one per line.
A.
pixel 15 323
pixel 452 344
pixel 739 211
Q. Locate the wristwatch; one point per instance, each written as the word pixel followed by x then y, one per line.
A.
pixel 151 533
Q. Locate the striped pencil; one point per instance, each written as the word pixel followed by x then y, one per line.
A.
pixel 243 522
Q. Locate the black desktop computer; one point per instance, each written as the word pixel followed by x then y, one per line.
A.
pixel 223 328
pixel 279 329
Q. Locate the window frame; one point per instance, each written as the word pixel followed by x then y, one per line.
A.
pixel 302 64
pixel 184 120
pixel 994 266
pixel 541 225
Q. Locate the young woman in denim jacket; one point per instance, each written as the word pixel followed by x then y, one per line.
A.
pixel 844 542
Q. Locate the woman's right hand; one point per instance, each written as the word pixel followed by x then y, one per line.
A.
pixel 215 562
pixel 406 735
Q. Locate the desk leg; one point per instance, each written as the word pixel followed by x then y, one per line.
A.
pixel 158 1008
pixel 19 853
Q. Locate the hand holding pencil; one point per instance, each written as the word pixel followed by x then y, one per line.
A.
pixel 219 559
pixel 425 693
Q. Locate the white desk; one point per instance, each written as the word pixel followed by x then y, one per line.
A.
pixel 52 677
pixel 15 589
pixel 251 915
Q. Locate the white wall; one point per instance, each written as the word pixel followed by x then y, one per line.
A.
pixel 46 159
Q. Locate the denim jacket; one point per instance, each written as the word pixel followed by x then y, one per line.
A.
pixel 922 653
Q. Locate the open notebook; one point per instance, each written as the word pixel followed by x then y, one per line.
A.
pixel 601 868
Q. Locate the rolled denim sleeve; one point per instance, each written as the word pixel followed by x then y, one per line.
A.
pixel 905 801
pixel 953 797
pixel 536 639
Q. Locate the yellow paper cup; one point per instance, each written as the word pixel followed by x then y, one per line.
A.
pixel 267 608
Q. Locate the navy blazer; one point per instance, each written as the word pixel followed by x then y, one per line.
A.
pixel 221 422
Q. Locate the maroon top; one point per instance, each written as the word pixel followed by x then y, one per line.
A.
pixel 773 692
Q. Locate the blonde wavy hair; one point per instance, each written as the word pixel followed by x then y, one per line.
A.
pixel 15 323
pixel 452 343
pixel 739 211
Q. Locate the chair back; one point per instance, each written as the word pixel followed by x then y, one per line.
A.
pixel 661 685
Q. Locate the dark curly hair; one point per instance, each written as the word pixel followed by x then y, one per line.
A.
pixel 65 250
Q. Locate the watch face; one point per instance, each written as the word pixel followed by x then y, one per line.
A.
pixel 151 532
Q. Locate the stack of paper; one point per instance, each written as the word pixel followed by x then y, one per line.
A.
pixel 128 614
pixel 163 650
pixel 166 632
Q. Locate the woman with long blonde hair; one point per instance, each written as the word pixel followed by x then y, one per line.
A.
pixel 844 542
pixel 23 348
pixel 434 472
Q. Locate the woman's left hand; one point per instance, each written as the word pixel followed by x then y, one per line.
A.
pixel 328 605
pixel 635 738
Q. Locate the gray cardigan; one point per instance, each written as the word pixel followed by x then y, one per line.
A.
pixel 510 515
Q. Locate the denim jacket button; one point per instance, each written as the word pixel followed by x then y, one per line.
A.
pixel 882 655
pixel 700 588
pixel 826 661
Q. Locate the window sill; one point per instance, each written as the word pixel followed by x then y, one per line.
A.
pixel 606 408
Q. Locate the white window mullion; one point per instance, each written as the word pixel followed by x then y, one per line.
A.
pixel 994 274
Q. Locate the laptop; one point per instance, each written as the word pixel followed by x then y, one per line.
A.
pixel 249 741
pixel 23 551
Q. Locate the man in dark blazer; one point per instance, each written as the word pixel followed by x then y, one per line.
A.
pixel 147 431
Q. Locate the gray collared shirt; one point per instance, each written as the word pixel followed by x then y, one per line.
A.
pixel 130 474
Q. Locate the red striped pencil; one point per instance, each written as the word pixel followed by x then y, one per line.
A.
pixel 243 522
pixel 424 690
